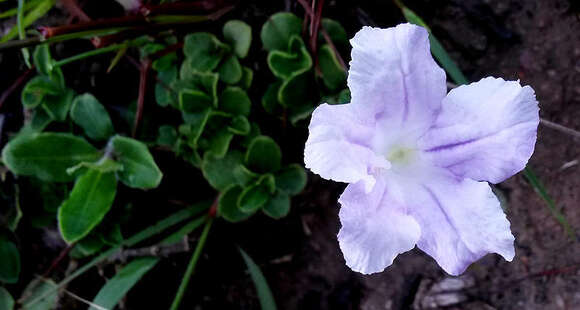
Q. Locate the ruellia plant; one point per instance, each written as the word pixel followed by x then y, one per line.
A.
pixel 74 164
pixel 81 159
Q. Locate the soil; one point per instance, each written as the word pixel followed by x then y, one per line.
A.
pixel 536 41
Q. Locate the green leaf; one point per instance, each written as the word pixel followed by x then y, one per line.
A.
pixel 239 35
pixel 37 89
pixel 194 101
pixel 278 206
pixel 264 293
pixel 139 168
pixel 47 155
pixel 244 176
pixel 291 179
pixel 333 74
pixel 57 107
pixel 112 234
pixel 118 286
pixel 43 289
pixel 240 125
pixel 6 300
pixel 40 119
pixel 296 90
pixel 204 51
pixel 219 142
pixel 270 101
pixel 247 77
pixel 42 59
pixel 228 205
pixel 335 31
pixel 89 114
pixel 286 64
pixel 254 197
pixel 219 171
pixel 300 113
pixel 90 199
pixel 263 155
pixel 195 125
pixel 103 165
pixel 204 82
pixel 9 261
pixel 230 70
pixel 163 93
pixel 235 100
pixel 167 136
pixel 278 30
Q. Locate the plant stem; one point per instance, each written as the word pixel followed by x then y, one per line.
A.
pixel 191 266
pixel 143 235
pixel 84 55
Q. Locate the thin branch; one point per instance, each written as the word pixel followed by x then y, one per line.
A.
pixel 144 73
pixel 560 128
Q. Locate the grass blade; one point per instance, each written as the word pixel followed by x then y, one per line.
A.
pixel 118 286
pixel 30 18
pixel 264 293
pixel 459 78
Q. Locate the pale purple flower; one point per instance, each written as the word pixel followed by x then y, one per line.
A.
pixel 130 5
pixel 417 159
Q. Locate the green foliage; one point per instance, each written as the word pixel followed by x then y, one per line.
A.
pixel 263 155
pixel 228 205
pixel 9 261
pixel 6 300
pixel 296 60
pixel 291 179
pixel 118 286
pixel 89 114
pixel 204 51
pixel 264 293
pixel 333 74
pixel 42 59
pixel 239 35
pixel 278 30
pixel 139 167
pixel 91 198
pixel 295 94
pixel 47 155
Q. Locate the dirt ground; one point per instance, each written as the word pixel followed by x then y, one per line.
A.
pixel 536 41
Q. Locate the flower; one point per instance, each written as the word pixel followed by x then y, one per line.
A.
pixel 130 5
pixel 417 159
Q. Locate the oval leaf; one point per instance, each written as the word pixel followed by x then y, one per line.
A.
pixel 278 206
pixel 220 172
pixel 9 261
pixel 204 51
pixel 235 100
pixel 333 74
pixel 291 179
pixel 118 286
pixel 47 155
pixel 230 70
pixel 253 198
pixel 263 155
pixel 228 205
pixel 139 168
pixel 239 35
pixel 91 198
pixel 278 30
pixel 89 114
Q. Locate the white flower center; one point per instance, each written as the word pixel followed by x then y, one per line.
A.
pixel 401 156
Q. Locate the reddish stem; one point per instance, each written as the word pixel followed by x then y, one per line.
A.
pixel 58 259
pixel 19 81
pixel 144 72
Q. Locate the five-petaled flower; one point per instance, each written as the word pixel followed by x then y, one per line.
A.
pixel 417 159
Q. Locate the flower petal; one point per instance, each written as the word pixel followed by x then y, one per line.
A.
pixel 337 147
pixel 461 221
pixel 486 130
pixel 375 229
pixel 393 73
